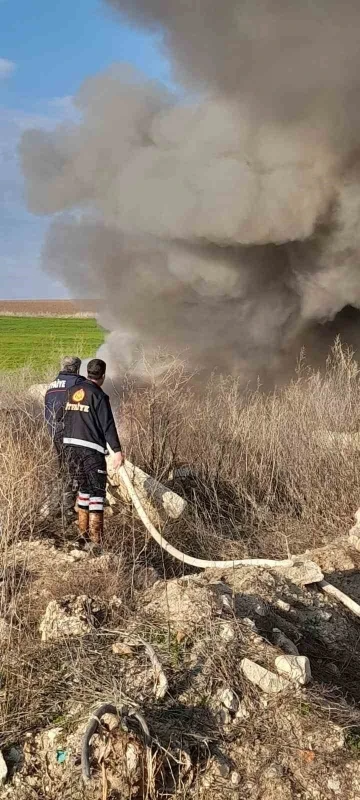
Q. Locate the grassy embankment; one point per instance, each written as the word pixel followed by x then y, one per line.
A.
pixel 38 341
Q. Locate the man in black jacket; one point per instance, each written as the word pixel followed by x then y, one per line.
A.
pixel 56 398
pixel 89 427
pixel 55 401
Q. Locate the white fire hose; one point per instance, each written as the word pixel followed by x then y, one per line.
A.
pixel 205 564
pixel 185 559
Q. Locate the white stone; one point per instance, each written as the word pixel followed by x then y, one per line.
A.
pixel 111 720
pixel 71 616
pixel 228 699
pixel 3 769
pixel 78 555
pixel 259 676
pixel 227 632
pixel 334 785
pixel 226 602
pixel 282 605
pixel 354 536
pixel 53 734
pixel 296 668
pixel 235 778
pixel 45 509
pixel 249 623
pixel 115 602
pixel 325 616
pixel 132 759
pixel 260 609
pixel 302 573
pixel 242 712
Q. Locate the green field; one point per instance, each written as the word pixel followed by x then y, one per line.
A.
pixel 40 341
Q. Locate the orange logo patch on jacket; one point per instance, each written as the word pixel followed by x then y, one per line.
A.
pixel 78 396
pixel 76 404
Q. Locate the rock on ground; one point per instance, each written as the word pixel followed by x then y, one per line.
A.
pixel 296 668
pixel 184 603
pixel 228 699
pixel 284 643
pixel 302 572
pixel 267 681
pixel 72 616
pixel 354 536
pixel 3 769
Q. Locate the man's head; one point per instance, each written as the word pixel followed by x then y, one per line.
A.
pixel 71 364
pixel 96 369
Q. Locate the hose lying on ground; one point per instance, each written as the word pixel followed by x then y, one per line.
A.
pixel 108 708
pixel 347 601
pixel 185 559
pixel 328 588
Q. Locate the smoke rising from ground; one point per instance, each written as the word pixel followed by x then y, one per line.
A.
pixel 225 224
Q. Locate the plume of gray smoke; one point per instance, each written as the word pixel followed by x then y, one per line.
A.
pixel 224 225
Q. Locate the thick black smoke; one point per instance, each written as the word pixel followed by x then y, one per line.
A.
pixel 225 225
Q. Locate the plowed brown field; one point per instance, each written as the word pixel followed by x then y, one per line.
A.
pixel 48 308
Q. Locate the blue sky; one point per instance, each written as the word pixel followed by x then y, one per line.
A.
pixel 47 49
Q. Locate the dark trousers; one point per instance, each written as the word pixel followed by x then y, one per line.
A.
pixel 69 484
pixel 88 468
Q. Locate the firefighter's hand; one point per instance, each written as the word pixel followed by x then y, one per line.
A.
pixel 118 460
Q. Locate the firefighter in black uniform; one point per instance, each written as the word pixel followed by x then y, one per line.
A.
pixel 56 398
pixel 88 427
pixel 55 401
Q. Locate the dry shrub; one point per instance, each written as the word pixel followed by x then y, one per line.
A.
pixel 29 481
pixel 265 477
pixel 28 472
pixel 153 415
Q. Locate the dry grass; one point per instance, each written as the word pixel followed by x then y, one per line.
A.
pixel 27 470
pixel 262 481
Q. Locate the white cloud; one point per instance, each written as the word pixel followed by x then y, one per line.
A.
pixel 63 103
pixel 6 67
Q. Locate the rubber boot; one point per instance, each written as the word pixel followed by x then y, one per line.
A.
pixel 83 520
pixel 96 526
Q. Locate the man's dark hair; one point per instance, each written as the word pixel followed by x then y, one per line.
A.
pixel 96 368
